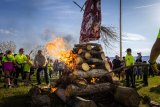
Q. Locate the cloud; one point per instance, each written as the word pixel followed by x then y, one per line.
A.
pixel 146 6
pixel 133 37
pixel 7 32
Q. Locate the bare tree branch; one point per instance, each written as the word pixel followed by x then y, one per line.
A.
pixel 8 45
pixel 109 36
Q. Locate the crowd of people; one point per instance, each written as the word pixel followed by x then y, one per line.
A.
pixel 13 65
pixel 131 74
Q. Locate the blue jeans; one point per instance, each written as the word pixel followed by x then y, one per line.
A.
pixel 139 73
pixel 46 76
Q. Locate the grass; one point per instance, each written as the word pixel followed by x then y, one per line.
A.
pixel 152 90
pixel 16 97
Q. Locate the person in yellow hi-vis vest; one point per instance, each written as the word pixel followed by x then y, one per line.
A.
pixel 129 61
pixel 26 70
pixel 155 52
pixel 50 67
pixel 20 60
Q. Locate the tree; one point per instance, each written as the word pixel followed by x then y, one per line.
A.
pixel 33 52
pixel 7 45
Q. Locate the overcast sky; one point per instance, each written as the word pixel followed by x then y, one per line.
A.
pixel 32 22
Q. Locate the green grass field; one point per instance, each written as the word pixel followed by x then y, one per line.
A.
pixel 16 97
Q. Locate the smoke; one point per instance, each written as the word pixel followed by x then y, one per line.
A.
pixel 46 38
pixel 31 40
pixel 49 35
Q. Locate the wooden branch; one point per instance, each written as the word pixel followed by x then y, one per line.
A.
pixel 90 73
pixel 124 95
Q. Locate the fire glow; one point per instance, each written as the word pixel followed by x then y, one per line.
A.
pixel 59 49
pixel 53 90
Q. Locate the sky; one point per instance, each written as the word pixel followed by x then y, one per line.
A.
pixel 34 22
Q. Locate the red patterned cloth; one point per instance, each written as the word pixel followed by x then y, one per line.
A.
pixel 90 28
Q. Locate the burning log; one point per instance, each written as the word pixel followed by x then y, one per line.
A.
pixel 79 60
pixel 124 95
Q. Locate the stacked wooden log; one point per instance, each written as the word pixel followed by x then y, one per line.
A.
pixel 92 80
pixel 91 83
pixel 90 56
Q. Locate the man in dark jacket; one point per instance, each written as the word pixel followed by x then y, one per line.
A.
pixel 139 69
pixel 116 64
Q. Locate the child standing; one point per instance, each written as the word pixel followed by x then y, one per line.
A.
pixel 26 70
pixel 50 67
pixel 8 67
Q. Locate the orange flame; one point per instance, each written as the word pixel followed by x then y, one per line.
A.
pixel 59 49
pixel 93 80
pixel 53 90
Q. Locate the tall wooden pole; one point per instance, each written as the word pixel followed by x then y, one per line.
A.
pixel 120 28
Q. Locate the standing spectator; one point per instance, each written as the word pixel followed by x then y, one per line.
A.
pixel 116 64
pixel 20 59
pixel 50 67
pixel 139 57
pixel 1 69
pixel 26 70
pixel 123 71
pixel 55 66
pixel 139 69
pixel 129 61
pixel 145 74
pixel 40 63
pixel 32 70
pixel 123 61
pixel 61 68
pixel 8 66
pixel 110 62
